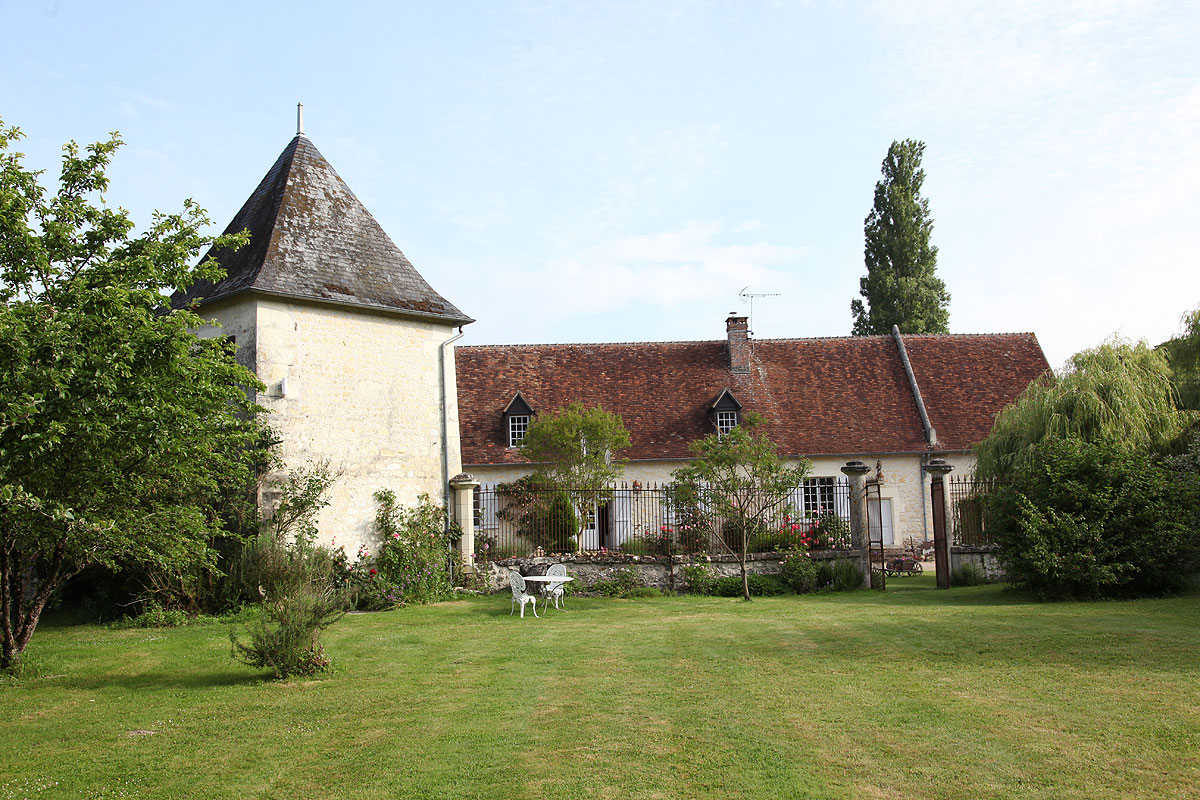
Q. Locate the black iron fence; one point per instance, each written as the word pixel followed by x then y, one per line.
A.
pixel 969 525
pixel 519 519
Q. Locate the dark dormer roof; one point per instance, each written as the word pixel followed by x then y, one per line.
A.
pixel 311 238
pixel 725 402
pixel 518 406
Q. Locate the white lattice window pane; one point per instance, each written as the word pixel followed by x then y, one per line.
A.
pixel 517 425
pixel 726 421
pixel 818 496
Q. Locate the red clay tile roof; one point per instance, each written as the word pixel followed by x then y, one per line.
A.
pixel 819 396
pixel 966 380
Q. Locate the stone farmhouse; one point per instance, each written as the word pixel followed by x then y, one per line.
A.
pixel 894 402
pixel 357 352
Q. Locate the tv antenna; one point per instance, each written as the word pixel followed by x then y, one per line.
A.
pixel 748 297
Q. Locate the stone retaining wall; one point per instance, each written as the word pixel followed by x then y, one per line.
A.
pixel 982 557
pixel 661 572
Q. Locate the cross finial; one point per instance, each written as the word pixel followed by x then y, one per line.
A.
pixel 299 119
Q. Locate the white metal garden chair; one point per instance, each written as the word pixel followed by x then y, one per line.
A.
pixel 519 595
pixel 554 591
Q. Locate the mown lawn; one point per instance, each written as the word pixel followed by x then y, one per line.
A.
pixel 970 693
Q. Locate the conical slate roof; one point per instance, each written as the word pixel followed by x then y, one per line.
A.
pixel 311 238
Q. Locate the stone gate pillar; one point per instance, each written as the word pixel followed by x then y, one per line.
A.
pixel 938 469
pixel 860 537
pixel 463 488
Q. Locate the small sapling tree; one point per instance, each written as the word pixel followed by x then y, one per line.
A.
pixel 293 578
pixel 745 480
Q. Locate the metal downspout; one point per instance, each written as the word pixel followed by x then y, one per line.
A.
pixel 924 499
pixel 446 423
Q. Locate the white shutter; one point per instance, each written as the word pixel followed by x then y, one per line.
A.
pixel 842 497
pixel 620 513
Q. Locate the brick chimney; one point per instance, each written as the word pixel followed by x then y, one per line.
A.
pixel 737 332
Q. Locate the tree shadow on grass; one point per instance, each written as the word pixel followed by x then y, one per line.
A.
pixel 166 679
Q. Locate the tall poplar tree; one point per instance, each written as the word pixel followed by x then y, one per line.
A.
pixel 901 286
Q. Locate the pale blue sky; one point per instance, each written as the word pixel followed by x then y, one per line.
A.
pixel 620 171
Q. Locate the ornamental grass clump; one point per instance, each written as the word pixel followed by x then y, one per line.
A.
pixel 299 600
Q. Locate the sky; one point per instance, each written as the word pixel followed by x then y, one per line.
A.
pixel 613 171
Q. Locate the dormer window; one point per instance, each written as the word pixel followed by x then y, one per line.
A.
pixel 517 425
pixel 517 417
pixel 725 412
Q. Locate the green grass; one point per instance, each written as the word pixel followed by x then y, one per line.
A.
pixel 970 693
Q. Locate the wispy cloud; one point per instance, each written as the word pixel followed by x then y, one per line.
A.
pixel 1078 219
pixel 667 275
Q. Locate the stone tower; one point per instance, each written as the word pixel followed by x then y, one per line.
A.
pixel 355 348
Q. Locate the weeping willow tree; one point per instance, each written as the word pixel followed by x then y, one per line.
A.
pixel 1119 393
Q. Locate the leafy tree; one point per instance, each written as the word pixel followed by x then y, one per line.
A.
pixel 1183 355
pixel 745 481
pixel 576 449
pixel 901 286
pixel 118 426
pixel 542 513
pixel 1096 519
pixel 1117 392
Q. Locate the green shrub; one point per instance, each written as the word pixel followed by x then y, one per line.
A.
pixel 621 584
pixel 544 516
pixel 155 616
pixel 770 541
pixel 799 571
pixel 413 563
pixel 967 574
pixel 731 535
pixel 829 532
pixel 1087 520
pixel 694 523
pixel 839 576
pixel 649 543
pixel 637 546
pixel 760 586
pixel 700 579
pixel 296 581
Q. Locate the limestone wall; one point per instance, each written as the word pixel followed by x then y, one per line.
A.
pixel 904 487
pixel 359 390
pixel 982 557
pixel 236 319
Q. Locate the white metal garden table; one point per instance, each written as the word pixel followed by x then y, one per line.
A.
pixel 550 581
